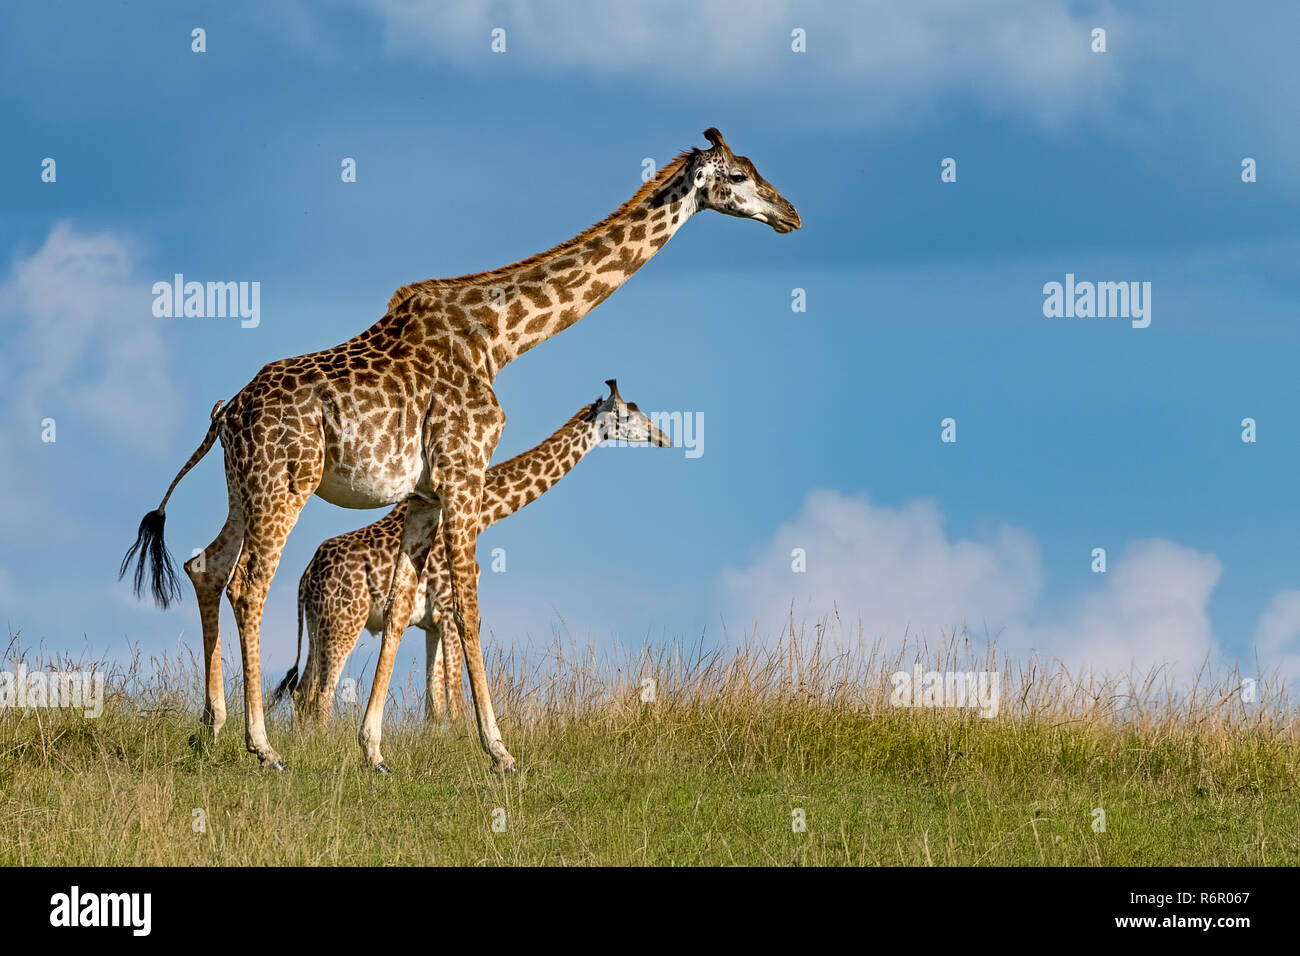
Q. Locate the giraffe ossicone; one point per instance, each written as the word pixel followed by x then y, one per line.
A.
pixel 405 412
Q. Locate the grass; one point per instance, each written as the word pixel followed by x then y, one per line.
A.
pixel 708 773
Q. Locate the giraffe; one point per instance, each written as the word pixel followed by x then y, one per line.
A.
pixel 405 411
pixel 343 588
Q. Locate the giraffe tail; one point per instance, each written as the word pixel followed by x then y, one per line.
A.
pixel 290 682
pixel 286 686
pixel 152 560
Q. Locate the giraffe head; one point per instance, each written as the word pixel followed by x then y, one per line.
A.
pixel 731 185
pixel 613 418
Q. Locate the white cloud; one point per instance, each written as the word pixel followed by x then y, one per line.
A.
pixel 1024 55
pixel 85 339
pixel 1277 636
pixel 895 566
pixel 1151 609
pixel 897 571
pixel 83 350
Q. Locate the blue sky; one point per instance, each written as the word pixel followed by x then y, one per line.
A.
pixel 821 428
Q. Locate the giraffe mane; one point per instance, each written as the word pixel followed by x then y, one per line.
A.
pixel 661 179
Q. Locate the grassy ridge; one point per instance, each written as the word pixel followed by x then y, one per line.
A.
pixel 710 772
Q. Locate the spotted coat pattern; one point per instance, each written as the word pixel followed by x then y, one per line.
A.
pixel 343 588
pixel 405 411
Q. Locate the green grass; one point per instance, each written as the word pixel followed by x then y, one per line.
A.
pixel 708 774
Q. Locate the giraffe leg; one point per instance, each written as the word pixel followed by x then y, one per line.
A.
pixel 460 522
pixel 303 697
pixel 329 682
pixel 433 674
pixel 450 686
pixel 332 630
pixel 454 676
pixel 336 636
pixel 417 533
pixel 264 538
pixel 209 570
pixel 453 682
pixel 308 684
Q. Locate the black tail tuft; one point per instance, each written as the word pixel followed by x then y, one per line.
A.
pixel 287 686
pixel 151 557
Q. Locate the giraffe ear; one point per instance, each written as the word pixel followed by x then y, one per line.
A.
pixel 714 137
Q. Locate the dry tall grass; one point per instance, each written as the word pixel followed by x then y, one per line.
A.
pixel 732 745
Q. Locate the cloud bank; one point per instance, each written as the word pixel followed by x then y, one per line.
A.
pixel 1030 56
pixel 84 351
pixel 898 571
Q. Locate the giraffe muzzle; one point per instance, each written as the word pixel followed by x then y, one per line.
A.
pixel 788 221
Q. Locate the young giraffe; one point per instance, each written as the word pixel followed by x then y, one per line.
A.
pixel 343 589
pixel 405 412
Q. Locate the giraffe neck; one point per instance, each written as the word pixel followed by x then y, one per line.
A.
pixel 544 300
pixel 527 476
pixel 500 315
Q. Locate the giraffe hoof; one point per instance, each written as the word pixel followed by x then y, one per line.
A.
pixel 381 768
pixel 276 765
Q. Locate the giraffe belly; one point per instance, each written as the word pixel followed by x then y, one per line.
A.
pixel 427 611
pixel 364 489
pixel 419 614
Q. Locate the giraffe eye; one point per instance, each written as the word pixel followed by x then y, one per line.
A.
pixel 737 177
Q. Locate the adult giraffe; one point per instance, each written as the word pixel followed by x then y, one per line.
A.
pixel 405 412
